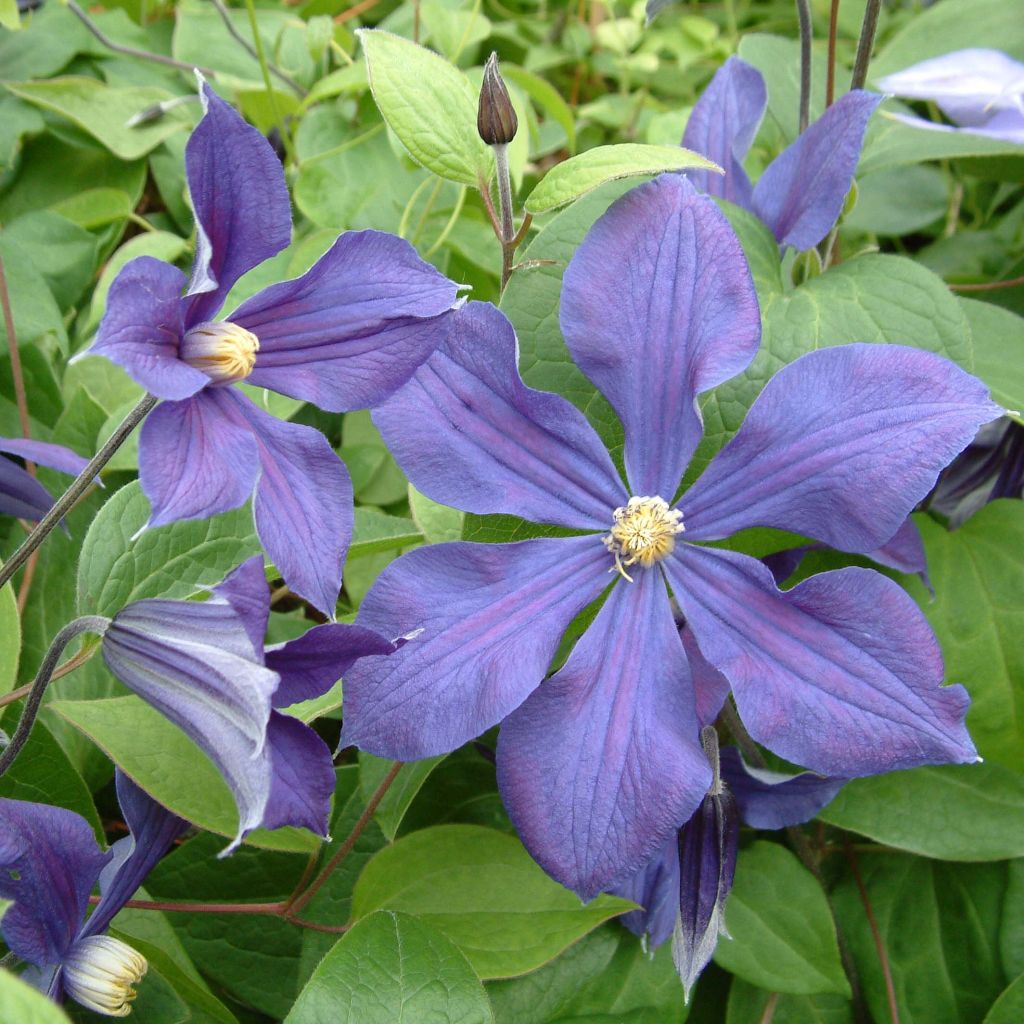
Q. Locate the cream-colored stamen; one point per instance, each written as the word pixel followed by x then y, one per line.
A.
pixel 99 973
pixel 224 351
pixel 643 531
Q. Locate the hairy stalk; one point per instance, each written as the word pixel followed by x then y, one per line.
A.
pixel 225 16
pixel 130 51
pixel 833 30
pixel 295 906
pixel 86 624
pixel 508 231
pixel 803 10
pixel 865 44
pixel 81 484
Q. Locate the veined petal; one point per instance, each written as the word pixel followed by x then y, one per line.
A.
pixel 42 453
pixel 303 500
pixel 904 552
pixel 656 888
pixel 840 445
pixel 801 193
pixel 774 800
pixel 353 328
pixel 193 461
pixel 657 307
pixel 142 329
pixel 722 127
pixel 49 862
pixel 490 617
pixel 602 763
pixel 218 698
pixel 469 433
pixel 245 590
pixel 21 494
pixel 153 828
pixel 710 687
pixel 842 674
pixel 240 199
pixel 310 665
pixel 303 776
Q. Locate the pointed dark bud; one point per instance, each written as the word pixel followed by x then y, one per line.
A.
pixel 707 865
pixel 496 119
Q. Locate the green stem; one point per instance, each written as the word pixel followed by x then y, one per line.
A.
pixel 261 56
pixel 225 16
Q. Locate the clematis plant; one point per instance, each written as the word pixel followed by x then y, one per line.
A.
pixel 801 193
pixel 49 864
pixel 980 90
pixel 601 764
pixel 343 336
pixel 20 493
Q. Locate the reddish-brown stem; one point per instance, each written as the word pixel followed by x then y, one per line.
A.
pixel 769 1009
pixel 354 12
pixel 833 28
pixel 876 935
pixel 518 237
pixel 173 906
pixel 988 286
pixel 295 906
pixel 69 666
pixel 492 213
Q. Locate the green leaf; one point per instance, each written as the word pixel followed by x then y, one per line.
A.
pixel 95 207
pixel 1011 932
pixel 376 478
pixel 400 794
pixel 392 967
pixel 161 759
pixel 747 1004
pixel 22 1003
pixel 429 104
pixel 102 111
pixel 483 890
pixel 899 201
pixel 979 618
pixel 10 638
pixel 35 311
pixel 172 561
pixel 783 936
pixel 938 925
pixel 578 175
pixel 375 532
pixel 998 335
pixel 547 97
pixel 951 812
pixel 439 523
pixel 1009 1007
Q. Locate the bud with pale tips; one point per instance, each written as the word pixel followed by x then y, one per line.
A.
pixel 99 973
pixel 496 119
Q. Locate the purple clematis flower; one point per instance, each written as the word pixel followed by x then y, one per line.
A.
pixel 20 493
pixel 601 764
pixel 49 863
pixel 203 665
pixel 802 191
pixel 981 91
pixel 343 336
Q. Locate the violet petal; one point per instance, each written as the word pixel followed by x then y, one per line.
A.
pixel 656 888
pixel 303 776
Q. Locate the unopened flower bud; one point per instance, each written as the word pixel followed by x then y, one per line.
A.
pixel 224 351
pixel 496 119
pixel 99 973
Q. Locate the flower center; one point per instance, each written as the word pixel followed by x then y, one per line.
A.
pixel 224 351
pixel 643 530
pixel 99 973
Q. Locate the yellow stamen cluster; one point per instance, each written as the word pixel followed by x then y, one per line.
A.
pixel 643 531
pixel 224 351
pixel 99 973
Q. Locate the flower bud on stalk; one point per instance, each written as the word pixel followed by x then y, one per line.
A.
pixel 496 119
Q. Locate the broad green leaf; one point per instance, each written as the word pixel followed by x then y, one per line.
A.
pixel 9 18
pixel 430 105
pixel 979 618
pixel 483 890
pixel 1009 1007
pixel 401 792
pixel 34 309
pixel 161 759
pixel 899 200
pixel 951 812
pixel 43 774
pixel 439 523
pixel 998 336
pixel 748 1003
pixel 103 111
pixel 392 967
pixel 578 175
pixel 95 207
pixel 10 638
pixel 783 936
pixel 939 927
pixel 21 1003
pixel 170 561
pixel 375 532
pixel 1011 932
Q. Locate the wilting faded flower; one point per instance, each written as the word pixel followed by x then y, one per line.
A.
pixel 204 666
pixel 343 336
pixel 601 764
pixel 981 91
pixel 20 493
pixel 49 863
pixel 802 191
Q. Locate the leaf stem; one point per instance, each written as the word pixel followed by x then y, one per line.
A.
pixel 833 31
pixel 865 44
pixel 803 11
pixel 225 16
pixel 769 1009
pixel 987 286
pixel 86 624
pixel 69 666
pixel 508 231
pixel 261 56
pixel 78 487
pixel 296 905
